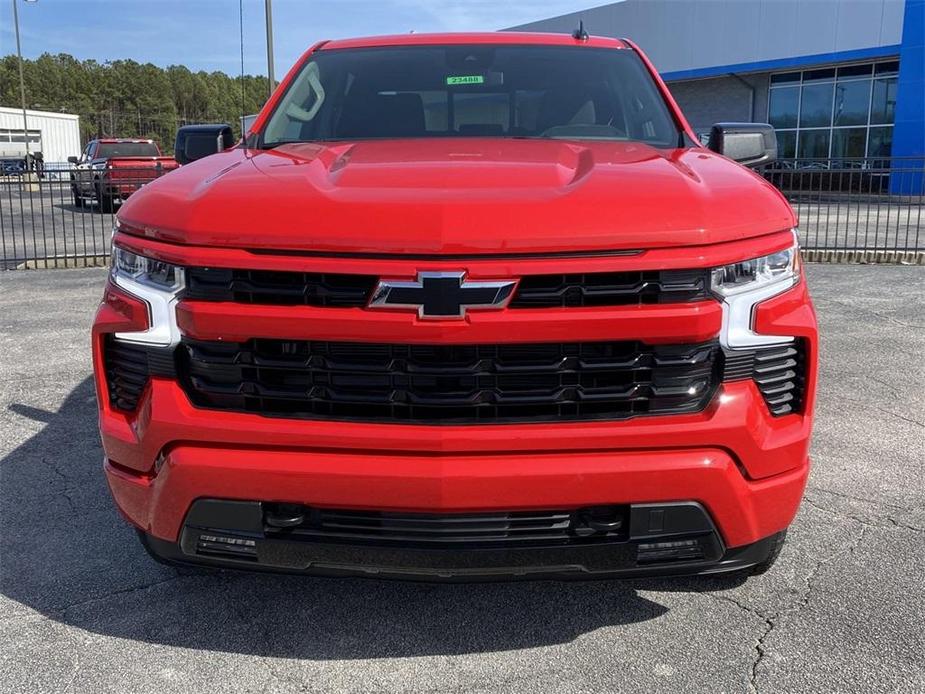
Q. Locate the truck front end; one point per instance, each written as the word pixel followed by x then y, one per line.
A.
pixel 460 307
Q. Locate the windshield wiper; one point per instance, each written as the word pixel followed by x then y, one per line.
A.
pixel 320 140
pixel 278 143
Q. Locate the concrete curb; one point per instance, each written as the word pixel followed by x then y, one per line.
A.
pixel 60 262
pixel 863 257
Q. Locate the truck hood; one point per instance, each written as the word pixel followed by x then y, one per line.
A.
pixel 459 196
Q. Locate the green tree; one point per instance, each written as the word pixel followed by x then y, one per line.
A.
pixel 124 98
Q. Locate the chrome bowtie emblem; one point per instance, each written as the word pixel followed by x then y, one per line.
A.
pixel 442 295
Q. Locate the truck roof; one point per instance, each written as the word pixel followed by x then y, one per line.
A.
pixel 121 140
pixel 492 37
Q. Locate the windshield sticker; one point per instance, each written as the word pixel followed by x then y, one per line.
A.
pixel 465 79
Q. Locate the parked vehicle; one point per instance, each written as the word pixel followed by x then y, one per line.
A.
pixel 110 170
pixel 33 163
pixel 461 306
pixel 12 167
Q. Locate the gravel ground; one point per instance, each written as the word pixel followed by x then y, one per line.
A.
pixel 83 609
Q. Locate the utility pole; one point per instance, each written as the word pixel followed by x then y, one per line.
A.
pixel 269 14
pixel 22 82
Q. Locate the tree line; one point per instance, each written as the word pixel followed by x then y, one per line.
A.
pixel 123 98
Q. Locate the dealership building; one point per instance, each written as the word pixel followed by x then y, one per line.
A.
pixel 835 79
pixel 55 135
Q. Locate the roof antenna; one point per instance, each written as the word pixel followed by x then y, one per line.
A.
pixel 580 34
pixel 243 93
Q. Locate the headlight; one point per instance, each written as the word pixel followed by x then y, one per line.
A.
pixel 757 272
pixel 147 270
pixel 744 284
pixel 158 284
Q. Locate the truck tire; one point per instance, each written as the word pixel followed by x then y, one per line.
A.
pixel 104 203
pixel 78 200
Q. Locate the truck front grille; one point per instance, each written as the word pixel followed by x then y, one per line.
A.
pixel 610 289
pixel 449 384
pixel 332 290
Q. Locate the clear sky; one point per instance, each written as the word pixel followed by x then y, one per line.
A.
pixel 204 34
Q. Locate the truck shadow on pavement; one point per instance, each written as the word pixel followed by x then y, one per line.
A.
pixel 67 555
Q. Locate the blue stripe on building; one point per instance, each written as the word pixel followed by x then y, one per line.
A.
pixel 909 123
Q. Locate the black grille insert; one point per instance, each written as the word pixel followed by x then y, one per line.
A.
pixel 610 289
pixel 285 288
pixel 779 372
pixel 449 384
pixel 279 287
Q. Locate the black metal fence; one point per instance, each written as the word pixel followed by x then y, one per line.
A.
pixel 63 217
pixel 855 204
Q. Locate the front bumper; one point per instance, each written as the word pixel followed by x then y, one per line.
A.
pixel 233 535
pixel 205 454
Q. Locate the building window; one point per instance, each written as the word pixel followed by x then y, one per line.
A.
pixel 837 113
pixel 816 105
pixel 783 107
pixel 16 135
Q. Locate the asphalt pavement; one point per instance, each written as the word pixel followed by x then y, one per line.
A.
pixel 83 609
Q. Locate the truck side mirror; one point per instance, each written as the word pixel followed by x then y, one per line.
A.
pixel 73 160
pixel 198 141
pixel 751 144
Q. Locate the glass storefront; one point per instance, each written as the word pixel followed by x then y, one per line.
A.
pixel 841 112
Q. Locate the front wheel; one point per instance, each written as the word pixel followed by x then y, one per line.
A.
pixel 105 203
pixel 78 200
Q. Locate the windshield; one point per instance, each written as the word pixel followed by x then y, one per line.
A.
pixel 108 150
pixel 472 91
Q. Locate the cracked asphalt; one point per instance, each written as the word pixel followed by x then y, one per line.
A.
pixel 82 608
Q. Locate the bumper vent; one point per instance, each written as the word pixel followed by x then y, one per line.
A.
pixel 451 384
pixel 275 287
pixel 128 368
pixel 126 373
pixel 779 372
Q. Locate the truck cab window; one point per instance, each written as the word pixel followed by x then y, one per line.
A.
pixel 486 91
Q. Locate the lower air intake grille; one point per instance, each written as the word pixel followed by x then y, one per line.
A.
pixel 451 530
pixel 449 384
pixel 779 372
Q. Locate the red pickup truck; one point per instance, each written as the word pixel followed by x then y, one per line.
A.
pixel 109 170
pixel 461 306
